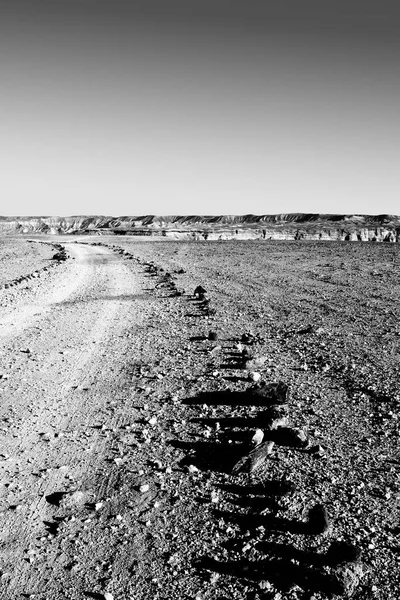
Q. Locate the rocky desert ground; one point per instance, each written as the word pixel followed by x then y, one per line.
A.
pixel 199 420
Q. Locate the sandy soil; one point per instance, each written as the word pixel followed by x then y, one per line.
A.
pixel 20 257
pixel 118 436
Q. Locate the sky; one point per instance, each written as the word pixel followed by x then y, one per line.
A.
pixel 199 107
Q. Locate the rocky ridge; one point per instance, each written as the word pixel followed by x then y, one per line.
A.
pixel 290 226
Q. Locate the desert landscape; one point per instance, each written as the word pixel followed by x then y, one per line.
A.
pixel 199 418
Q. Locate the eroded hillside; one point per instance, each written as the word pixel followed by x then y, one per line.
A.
pixel 292 226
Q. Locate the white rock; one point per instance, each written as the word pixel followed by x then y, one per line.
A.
pixel 255 376
pixel 257 437
pixel 144 488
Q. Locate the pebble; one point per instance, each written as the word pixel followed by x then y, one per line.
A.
pixel 257 437
pixel 348 578
pixel 279 422
pixel 255 376
pixel 144 488
pixel 317 450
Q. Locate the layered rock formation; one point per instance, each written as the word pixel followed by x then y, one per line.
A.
pixel 292 226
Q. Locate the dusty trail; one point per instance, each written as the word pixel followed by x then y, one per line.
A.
pixel 60 354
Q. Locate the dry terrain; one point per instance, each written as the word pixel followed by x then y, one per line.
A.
pixel 147 451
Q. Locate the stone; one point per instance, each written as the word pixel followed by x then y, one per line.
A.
pixel 247 354
pixel 199 290
pixel 255 459
pixel 73 500
pixel 254 376
pixel 247 337
pixel 255 363
pixel 317 450
pixel 279 422
pixel 347 578
pixel 257 437
pixel 270 393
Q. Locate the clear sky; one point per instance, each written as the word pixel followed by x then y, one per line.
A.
pixel 199 106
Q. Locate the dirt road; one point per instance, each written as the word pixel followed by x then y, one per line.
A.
pixel 61 350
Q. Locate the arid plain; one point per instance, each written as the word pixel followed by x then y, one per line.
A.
pixel 146 450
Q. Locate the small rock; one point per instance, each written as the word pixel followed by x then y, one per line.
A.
pixel 306 329
pixel 247 354
pixel 347 579
pixel 248 337
pixel 215 349
pixel 144 488
pixel 255 459
pixel 214 497
pixel 255 376
pixel 199 291
pixel 257 437
pixel 317 450
pixel 271 393
pixel 77 498
pixel 108 596
pixel 279 422
pixel 255 363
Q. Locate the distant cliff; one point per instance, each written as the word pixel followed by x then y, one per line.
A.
pixel 291 226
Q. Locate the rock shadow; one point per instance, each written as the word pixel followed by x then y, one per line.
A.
pixel 227 398
pixel 281 572
pixel 274 488
pixel 209 456
pixel 231 398
pixel 269 522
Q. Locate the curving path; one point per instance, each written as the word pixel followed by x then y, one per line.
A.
pixel 61 348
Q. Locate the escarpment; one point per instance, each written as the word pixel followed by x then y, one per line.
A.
pixel 290 226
